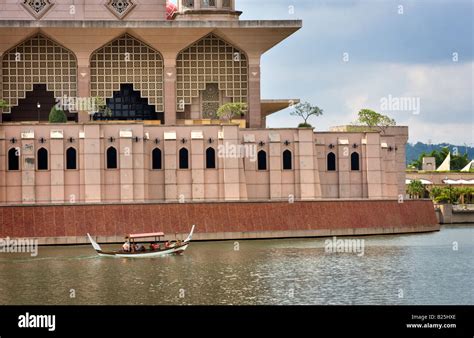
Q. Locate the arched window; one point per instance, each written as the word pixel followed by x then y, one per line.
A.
pixel 331 162
pixel 183 158
pixel 156 159
pixel 210 158
pixel 71 159
pixel 355 161
pixel 287 160
pixel 262 160
pixel 42 159
pixel 14 159
pixel 112 158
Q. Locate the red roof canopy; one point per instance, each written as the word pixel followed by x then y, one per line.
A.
pixel 151 234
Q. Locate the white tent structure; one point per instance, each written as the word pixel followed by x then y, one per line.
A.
pixel 446 165
pixel 468 167
pixel 423 181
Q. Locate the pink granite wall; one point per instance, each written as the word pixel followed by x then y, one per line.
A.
pixel 111 220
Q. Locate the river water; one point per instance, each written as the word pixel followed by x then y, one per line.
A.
pixel 429 268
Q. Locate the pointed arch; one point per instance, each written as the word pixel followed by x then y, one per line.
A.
pixel 183 158
pixel 355 162
pixel 331 162
pixel 210 158
pixel 262 160
pixel 211 60
pixel 38 60
pixel 287 160
pixel 111 160
pixel 42 159
pixel 127 59
pixel 14 159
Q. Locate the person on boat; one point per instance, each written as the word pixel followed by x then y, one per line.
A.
pixel 139 247
pixel 126 246
pixel 154 246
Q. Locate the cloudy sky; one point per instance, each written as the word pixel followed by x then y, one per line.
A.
pixel 425 54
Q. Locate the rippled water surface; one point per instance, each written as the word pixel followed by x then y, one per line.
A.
pixel 395 269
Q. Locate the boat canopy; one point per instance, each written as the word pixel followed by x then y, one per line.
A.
pixel 151 234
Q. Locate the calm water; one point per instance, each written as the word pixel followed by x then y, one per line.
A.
pixel 395 269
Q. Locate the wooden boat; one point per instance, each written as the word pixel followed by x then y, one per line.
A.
pixel 168 248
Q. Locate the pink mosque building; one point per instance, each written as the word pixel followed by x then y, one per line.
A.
pixel 163 71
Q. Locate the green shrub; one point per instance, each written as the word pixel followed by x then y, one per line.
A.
pixel 57 116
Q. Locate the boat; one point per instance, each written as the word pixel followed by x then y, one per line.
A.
pixel 156 249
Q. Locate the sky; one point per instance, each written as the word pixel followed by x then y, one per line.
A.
pixel 373 54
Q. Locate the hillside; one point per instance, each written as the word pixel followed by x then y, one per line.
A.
pixel 413 151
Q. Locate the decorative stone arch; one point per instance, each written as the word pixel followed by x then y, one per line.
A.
pixel 38 60
pixel 127 59
pixel 211 60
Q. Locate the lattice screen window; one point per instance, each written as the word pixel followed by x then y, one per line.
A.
pixel 208 3
pixel 38 60
pixel 37 8
pixel 226 3
pixel 211 60
pixel 120 8
pixel 128 60
pixel 210 100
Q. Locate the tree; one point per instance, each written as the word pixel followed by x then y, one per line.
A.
pixel 231 110
pixel 305 111
pixel 458 161
pixel 3 104
pixel 57 116
pixel 374 120
pixel 416 189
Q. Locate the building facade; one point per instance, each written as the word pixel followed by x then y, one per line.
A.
pixel 162 72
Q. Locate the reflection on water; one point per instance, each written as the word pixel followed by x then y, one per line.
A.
pixel 395 269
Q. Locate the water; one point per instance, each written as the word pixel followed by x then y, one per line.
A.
pixel 395 269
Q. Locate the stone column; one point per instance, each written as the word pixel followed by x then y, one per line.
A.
pixel 171 188
pixel 170 89
pixel 126 166
pixel 231 165
pixel 83 86
pixel 57 165
pixel 92 153
pixel 28 167
pixel 275 166
pixel 198 158
pixel 305 160
pixel 138 152
pixel 254 103
pixel 3 164
pixel 374 166
pixel 343 168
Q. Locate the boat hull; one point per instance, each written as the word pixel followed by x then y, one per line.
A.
pixel 150 254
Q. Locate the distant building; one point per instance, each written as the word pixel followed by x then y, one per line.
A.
pixel 429 164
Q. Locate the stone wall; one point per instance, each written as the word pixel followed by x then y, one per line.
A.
pixel 60 224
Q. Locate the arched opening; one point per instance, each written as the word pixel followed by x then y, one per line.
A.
pixel 287 160
pixel 262 160
pixel 37 70
pixel 355 161
pixel 14 159
pixel 210 158
pixel 209 73
pixel 183 158
pixel 156 159
pixel 128 74
pixel 112 158
pixel 42 159
pixel 331 162
pixel 71 158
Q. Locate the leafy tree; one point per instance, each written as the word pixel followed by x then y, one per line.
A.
pixel 231 110
pixel 57 116
pixel 415 189
pixel 374 120
pixel 305 111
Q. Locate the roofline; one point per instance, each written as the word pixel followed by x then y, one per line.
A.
pixel 152 24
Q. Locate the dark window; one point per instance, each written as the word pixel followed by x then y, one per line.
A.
pixel 42 159
pixel 127 104
pixel 183 158
pixel 156 159
pixel 112 158
pixel 262 160
pixel 14 159
pixel 355 161
pixel 331 165
pixel 287 160
pixel 71 159
pixel 210 158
